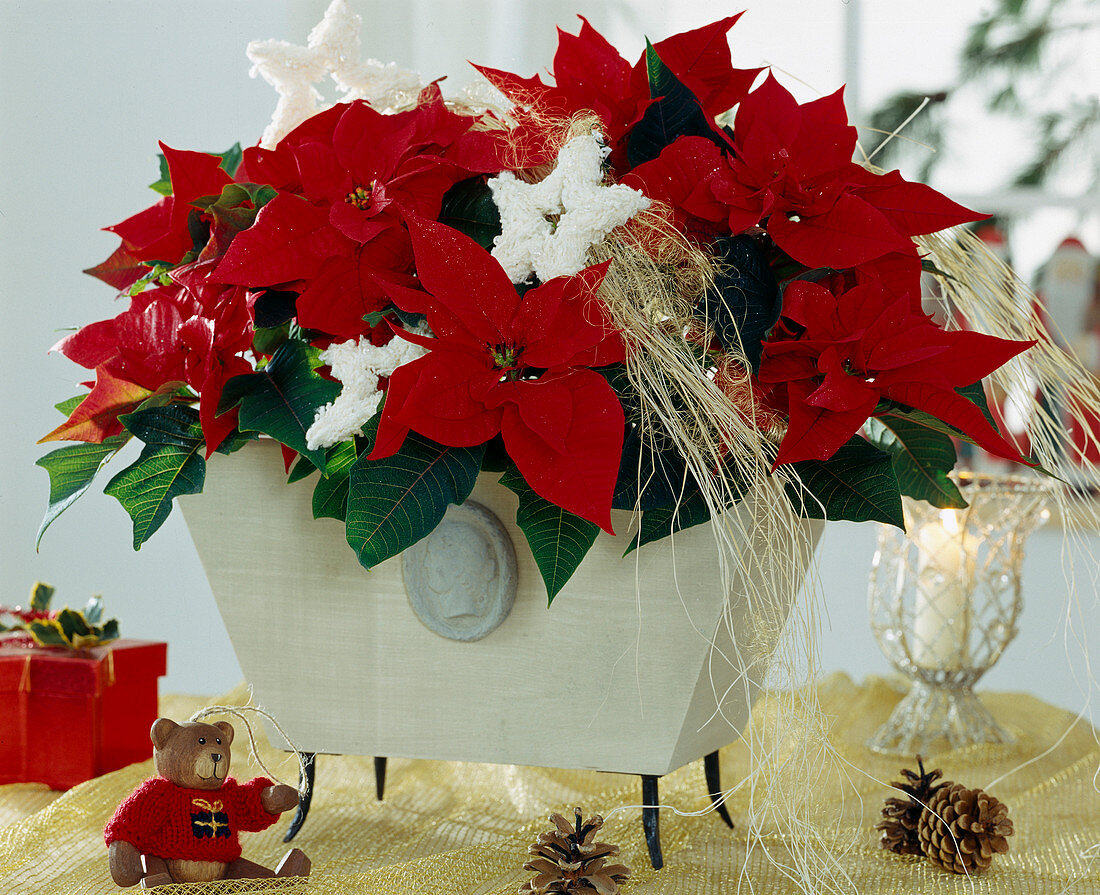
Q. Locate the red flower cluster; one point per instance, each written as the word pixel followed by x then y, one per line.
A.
pixel 341 220
pixel 332 231
pixel 345 179
pixel 844 348
pixel 513 366
pixel 788 168
pixel 591 76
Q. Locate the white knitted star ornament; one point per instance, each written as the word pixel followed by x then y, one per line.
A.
pixel 333 48
pixel 548 227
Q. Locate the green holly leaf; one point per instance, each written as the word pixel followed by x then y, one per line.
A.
pixel 73 624
pixel 170 464
pixel 922 459
pixel 468 206
pixel 47 632
pixel 93 610
pixel 281 400
pixel 72 469
pixel 559 540
pixel 41 594
pixel 663 521
pixel 330 494
pixel 109 631
pixel 396 501
pixel 675 113
pixel 857 483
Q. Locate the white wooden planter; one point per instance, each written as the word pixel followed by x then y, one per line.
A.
pixel 610 677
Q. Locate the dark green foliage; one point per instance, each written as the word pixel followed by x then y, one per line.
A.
pixel 559 540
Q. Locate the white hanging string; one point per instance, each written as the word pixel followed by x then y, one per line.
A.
pixel 239 712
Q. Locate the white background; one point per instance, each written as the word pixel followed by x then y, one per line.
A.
pixel 89 88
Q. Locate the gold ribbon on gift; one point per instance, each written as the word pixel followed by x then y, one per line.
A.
pixel 213 808
pixel 203 805
pixel 25 677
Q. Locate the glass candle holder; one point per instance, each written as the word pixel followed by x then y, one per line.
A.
pixel 944 601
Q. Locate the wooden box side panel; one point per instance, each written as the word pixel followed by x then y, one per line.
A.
pixel 604 679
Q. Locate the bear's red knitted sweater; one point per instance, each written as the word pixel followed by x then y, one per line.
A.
pixel 168 821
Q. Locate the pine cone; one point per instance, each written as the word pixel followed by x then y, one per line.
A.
pixel 963 828
pixel 901 816
pixel 570 860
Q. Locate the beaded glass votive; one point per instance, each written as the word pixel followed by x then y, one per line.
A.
pixel 945 597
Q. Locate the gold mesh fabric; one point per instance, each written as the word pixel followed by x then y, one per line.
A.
pixel 463 829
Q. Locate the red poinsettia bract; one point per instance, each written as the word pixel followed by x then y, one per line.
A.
pixel 514 366
pixel 191 332
pixel 590 75
pixel 161 232
pixel 790 170
pixel 859 345
pixel 345 178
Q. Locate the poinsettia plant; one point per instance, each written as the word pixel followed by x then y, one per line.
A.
pixel 405 298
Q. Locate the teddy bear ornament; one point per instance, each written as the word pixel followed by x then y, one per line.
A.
pixel 183 825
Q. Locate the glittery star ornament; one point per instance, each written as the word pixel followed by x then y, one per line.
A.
pixel 332 49
pixel 548 227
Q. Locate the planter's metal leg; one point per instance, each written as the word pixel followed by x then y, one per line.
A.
pixel 650 820
pixel 714 786
pixel 379 775
pixel 310 761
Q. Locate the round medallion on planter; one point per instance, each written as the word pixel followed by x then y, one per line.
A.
pixel 461 579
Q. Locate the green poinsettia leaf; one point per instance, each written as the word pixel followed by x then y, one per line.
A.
pixel 974 393
pixel 675 113
pixel 227 214
pixel 468 206
pixel 857 484
pixel 231 159
pixel 230 162
pixel 648 479
pixel 69 405
pixel 234 441
pixel 559 540
pixel 922 459
pixel 41 594
pixel 163 184
pixel 302 469
pixel 170 464
pixel 281 400
pixel 664 521
pixel 330 494
pixel 746 301
pixel 72 469
pixel 396 501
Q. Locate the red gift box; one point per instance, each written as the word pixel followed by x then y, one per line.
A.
pixel 67 717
